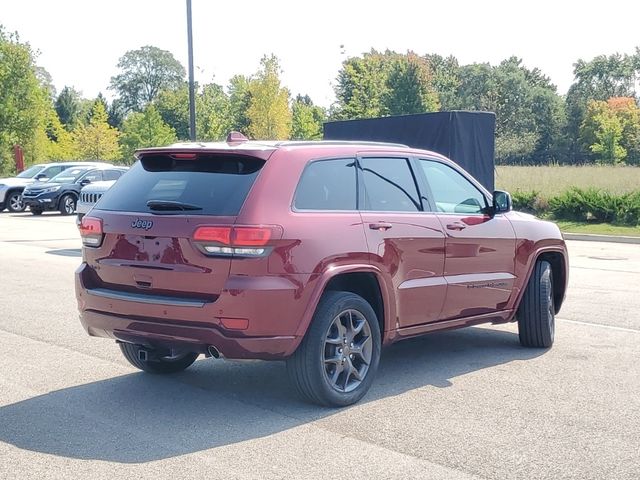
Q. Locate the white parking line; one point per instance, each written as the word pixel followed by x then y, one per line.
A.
pixel 622 329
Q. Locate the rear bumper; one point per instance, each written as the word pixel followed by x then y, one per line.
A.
pixel 196 324
pixel 160 333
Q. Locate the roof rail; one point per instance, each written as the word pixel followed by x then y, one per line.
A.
pixel 304 143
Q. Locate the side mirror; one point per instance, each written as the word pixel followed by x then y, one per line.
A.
pixel 41 177
pixel 85 181
pixel 501 202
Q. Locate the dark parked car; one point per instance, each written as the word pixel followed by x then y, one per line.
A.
pixel 11 188
pixel 62 191
pixel 318 253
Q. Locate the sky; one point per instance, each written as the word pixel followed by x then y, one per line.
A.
pixel 80 42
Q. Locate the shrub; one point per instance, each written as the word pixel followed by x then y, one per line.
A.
pixel 525 201
pixel 596 206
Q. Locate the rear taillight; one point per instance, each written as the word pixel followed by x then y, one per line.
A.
pixel 237 241
pixel 91 231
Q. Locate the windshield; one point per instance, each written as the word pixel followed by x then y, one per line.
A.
pixel 70 175
pixel 30 172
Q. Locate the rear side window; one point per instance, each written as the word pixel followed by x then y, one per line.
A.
pixel 389 185
pixel 218 184
pixel 327 185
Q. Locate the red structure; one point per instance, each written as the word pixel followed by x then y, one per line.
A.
pixel 18 155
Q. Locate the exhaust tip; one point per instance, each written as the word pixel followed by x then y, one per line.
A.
pixel 213 351
pixel 143 355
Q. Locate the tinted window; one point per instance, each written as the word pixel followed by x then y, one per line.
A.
pixel 30 172
pixel 70 175
pixel 111 174
pixel 218 184
pixel 92 176
pixel 327 185
pixel 452 192
pixel 388 185
pixel 53 171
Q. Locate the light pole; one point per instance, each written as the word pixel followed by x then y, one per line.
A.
pixel 192 98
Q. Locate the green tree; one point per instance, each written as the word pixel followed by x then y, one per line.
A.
pixel 173 106
pixel 23 100
pixel 68 107
pixel 143 74
pixel 213 118
pixel 611 130
pixel 307 119
pixel 627 111
pixel 268 113
pixel 445 79
pixel 116 113
pixel 409 87
pixel 601 78
pixel 144 129
pixel 97 140
pixel 239 101
pixel 361 87
pixel 529 112
pixel 608 136
pixel 212 113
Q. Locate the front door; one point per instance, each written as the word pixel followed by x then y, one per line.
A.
pixel 404 241
pixel 480 249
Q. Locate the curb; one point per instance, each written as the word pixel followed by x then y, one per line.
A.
pixel 592 237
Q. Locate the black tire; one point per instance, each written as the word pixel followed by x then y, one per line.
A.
pixel 536 313
pixel 157 365
pixel 35 211
pixel 67 205
pixel 15 203
pixel 308 367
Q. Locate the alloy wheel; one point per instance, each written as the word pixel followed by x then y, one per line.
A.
pixel 348 350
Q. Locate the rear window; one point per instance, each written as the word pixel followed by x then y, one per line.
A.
pixel 217 184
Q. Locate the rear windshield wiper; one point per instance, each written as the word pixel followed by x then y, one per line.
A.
pixel 170 205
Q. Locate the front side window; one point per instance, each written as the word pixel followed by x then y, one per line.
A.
pixel 327 185
pixel 452 192
pixel 389 185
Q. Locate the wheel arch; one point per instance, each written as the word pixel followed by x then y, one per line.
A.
pixel 364 280
pixel 559 269
pixel 559 272
pixel 66 193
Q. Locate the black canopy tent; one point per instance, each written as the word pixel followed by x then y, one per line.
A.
pixel 467 138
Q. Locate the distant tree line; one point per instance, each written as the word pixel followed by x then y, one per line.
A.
pixel 597 121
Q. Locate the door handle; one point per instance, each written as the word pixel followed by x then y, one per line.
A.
pixel 456 226
pixel 380 226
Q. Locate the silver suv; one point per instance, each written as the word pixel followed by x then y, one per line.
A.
pixel 11 188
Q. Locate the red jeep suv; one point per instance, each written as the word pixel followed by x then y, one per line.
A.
pixel 317 253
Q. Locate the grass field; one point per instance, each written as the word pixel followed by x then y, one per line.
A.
pixel 551 180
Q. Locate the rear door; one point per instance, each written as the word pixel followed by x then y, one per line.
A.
pixel 150 218
pixel 480 249
pixel 403 241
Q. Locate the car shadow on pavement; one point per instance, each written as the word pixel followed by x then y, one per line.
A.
pixel 138 418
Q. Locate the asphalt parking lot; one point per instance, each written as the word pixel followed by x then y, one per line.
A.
pixel 456 405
